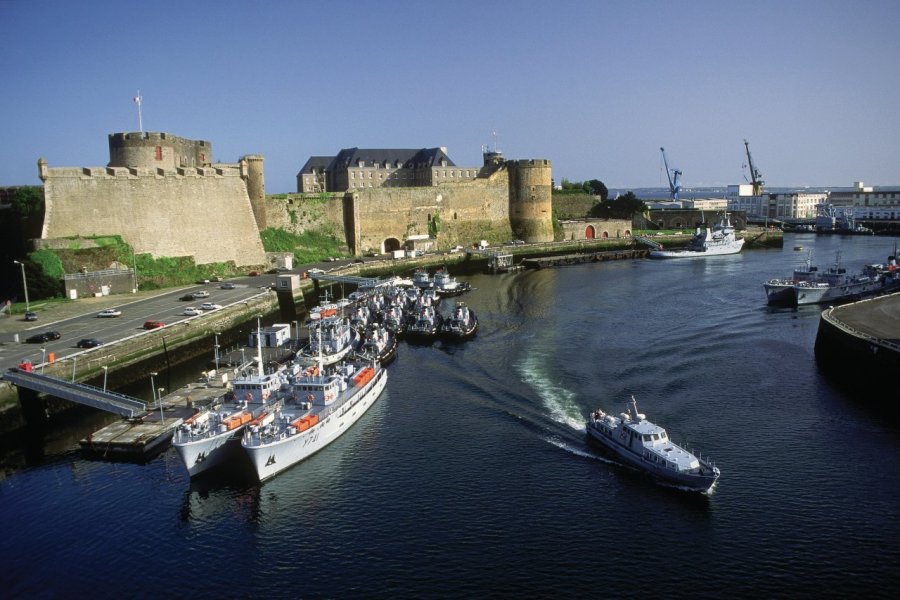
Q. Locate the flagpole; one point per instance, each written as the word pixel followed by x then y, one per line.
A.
pixel 137 100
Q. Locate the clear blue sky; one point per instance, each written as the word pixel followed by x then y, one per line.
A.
pixel 595 86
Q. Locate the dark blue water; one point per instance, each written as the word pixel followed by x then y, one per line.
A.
pixel 472 476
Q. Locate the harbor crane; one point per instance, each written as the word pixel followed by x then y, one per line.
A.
pixel 755 175
pixel 674 177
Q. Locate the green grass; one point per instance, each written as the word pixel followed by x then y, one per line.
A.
pixel 306 247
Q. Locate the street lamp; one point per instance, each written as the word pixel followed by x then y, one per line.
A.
pixel 162 417
pixel 43 358
pixel 153 386
pixel 24 284
pixel 217 350
pixel 105 373
pixel 74 363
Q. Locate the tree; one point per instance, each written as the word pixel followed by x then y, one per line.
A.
pixel 598 188
pixel 622 207
pixel 28 202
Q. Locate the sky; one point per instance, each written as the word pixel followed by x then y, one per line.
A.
pixel 595 86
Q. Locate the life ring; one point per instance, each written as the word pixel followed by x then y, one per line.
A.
pixel 310 397
pixel 249 397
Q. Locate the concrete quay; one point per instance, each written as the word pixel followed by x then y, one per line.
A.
pixel 858 344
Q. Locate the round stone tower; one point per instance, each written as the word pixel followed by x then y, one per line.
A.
pixel 530 199
pixel 151 149
pixel 256 186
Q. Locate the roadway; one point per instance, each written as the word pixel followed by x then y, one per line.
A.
pixel 78 320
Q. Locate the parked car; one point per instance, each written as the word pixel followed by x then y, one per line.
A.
pixel 110 312
pixel 210 306
pixel 253 273
pixel 89 343
pixel 153 324
pixel 227 286
pixel 187 298
pixel 200 294
pixel 40 338
pixel 191 311
pixel 203 281
pixel 31 316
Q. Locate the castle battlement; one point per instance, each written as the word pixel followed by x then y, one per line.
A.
pixel 139 172
pixel 152 138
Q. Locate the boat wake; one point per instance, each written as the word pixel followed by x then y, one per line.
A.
pixel 557 400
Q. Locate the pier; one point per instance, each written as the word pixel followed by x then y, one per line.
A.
pixel 585 257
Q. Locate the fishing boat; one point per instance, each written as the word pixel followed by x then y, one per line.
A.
pixel 331 338
pixel 719 240
pixel 461 324
pixel 208 437
pixel 422 280
pixel 394 320
pixel 647 446
pixel 324 403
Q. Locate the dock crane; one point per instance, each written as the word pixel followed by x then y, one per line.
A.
pixel 674 177
pixel 755 175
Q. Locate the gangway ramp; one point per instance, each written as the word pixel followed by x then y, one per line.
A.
pixel 648 241
pixel 80 393
pixel 361 282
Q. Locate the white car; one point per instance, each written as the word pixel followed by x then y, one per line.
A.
pixel 201 294
pixel 210 306
pixel 191 311
pixel 110 312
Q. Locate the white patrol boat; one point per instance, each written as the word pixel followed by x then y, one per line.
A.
pixel 706 242
pixel 647 446
pixel 322 407
pixel 206 438
pixel 331 338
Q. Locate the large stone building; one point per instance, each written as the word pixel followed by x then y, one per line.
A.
pixel 360 168
pixel 390 196
pixel 781 205
pixel 164 196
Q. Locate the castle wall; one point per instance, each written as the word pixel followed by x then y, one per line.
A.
pixel 466 213
pixel 204 213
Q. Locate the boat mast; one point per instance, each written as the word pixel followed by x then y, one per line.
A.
pixel 259 360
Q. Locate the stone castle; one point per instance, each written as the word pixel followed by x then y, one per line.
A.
pixel 164 196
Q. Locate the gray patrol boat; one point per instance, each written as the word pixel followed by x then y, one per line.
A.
pixel 646 446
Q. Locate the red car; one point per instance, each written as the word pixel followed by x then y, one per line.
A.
pixel 154 324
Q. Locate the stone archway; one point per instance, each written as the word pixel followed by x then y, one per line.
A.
pixel 589 232
pixel 391 244
pixel 605 235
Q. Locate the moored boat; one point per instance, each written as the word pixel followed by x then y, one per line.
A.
pixel 424 324
pixel 779 290
pixel 462 324
pixel 331 338
pixel 835 284
pixel 379 343
pixel 719 240
pixel 647 446
pixel 206 439
pixel 322 407
pixel 445 285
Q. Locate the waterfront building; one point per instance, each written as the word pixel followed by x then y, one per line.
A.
pixel 779 205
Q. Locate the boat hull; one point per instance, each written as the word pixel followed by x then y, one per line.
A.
pixel 732 248
pixel 269 459
pixel 206 453
pixel 701 481
pixel 835 293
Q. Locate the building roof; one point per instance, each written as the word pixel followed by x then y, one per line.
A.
pixel 317 163
pixel 389 158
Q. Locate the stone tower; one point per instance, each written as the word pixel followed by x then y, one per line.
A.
pixel 252 171
pixel 530 199
pixel 154 150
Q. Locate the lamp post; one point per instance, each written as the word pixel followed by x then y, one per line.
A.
pixel 74 363
pixel 162 417
pixel 24 284
pixel 243 360
pixel 153 386
pixel 217 350
pixel 297 330
pixel 105 373
pixel 43 358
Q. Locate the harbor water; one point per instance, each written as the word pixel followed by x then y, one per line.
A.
pixel 473 476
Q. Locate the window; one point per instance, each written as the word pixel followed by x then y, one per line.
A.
pixel 159 153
